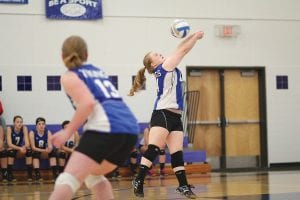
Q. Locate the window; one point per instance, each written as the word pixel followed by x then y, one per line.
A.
pixel 24 83
pixel 144 86
pixel 282 82
pixel 114 81
pixel 53 83
pixel 0 83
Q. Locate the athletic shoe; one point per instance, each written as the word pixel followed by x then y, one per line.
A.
pixel 29 178
pixel 4 177
pixel 11 178
pixel 138 188
pixel 116 174
pixel 38 177
pixel 186 191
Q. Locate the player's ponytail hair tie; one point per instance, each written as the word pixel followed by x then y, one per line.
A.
pixel 73 60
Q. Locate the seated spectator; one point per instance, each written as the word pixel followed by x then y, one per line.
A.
pixel 18 146
pixel 132 164
pixel 66 150
pixel 1 108
pixel 133 160
pixel 143 146
pixel 40 141
pixel 3 145
pixel 2 120
pixel 3 156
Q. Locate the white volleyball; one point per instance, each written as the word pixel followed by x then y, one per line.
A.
pixel 180 28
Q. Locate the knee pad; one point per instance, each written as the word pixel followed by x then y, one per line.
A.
pixel 68 179
pixel 3 154
pixel 151 152
pixel 28 153
pixel 70 144
pixel 11 153
pixel 162 152
pixel 177 159
pixel 92 180
pixel 52 154
pixel 134 154
pixel 62 155
pixel 36 154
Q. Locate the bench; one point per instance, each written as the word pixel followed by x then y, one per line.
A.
pixel 189 155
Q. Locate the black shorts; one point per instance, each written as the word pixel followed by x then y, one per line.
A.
pixel 14 152
pixel 166 119
pixel 114 148
pixel 38 154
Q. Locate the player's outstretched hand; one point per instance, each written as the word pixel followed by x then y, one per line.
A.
pixel 199 34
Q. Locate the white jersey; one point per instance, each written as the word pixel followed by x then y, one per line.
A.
pixel 169 89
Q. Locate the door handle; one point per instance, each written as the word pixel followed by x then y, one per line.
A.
pixel 206 122
pixel 248 121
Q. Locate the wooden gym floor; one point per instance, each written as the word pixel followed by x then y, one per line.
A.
pixel 272 185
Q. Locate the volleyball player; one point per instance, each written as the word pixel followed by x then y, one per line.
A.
pixel 110 128
pixel 166 125
pixel 3 156
pixel 40 141
pixel 18 146
pixel 68 148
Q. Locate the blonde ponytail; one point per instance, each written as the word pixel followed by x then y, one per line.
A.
pixel 139 81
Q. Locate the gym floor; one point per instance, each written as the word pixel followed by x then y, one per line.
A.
pixel 272 185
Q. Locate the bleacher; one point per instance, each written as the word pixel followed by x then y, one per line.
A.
pixel 195 160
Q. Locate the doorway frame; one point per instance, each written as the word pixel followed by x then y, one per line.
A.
pixel 263 159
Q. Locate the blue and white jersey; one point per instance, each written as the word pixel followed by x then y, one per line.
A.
pixel 169 89
pixel 17 138
pixel 111 114
pixel 41 141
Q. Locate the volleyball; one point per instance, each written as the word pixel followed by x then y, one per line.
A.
pixel 180 28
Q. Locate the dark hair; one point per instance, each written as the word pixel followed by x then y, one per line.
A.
pixel 64 123
pixel 16 117
pixel 39 119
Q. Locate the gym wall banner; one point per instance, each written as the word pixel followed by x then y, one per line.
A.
pixel 14 1
pixel 74 9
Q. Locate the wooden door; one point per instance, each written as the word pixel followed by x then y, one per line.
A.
pixel 228 118
pixel 207 131
pixel 241 108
